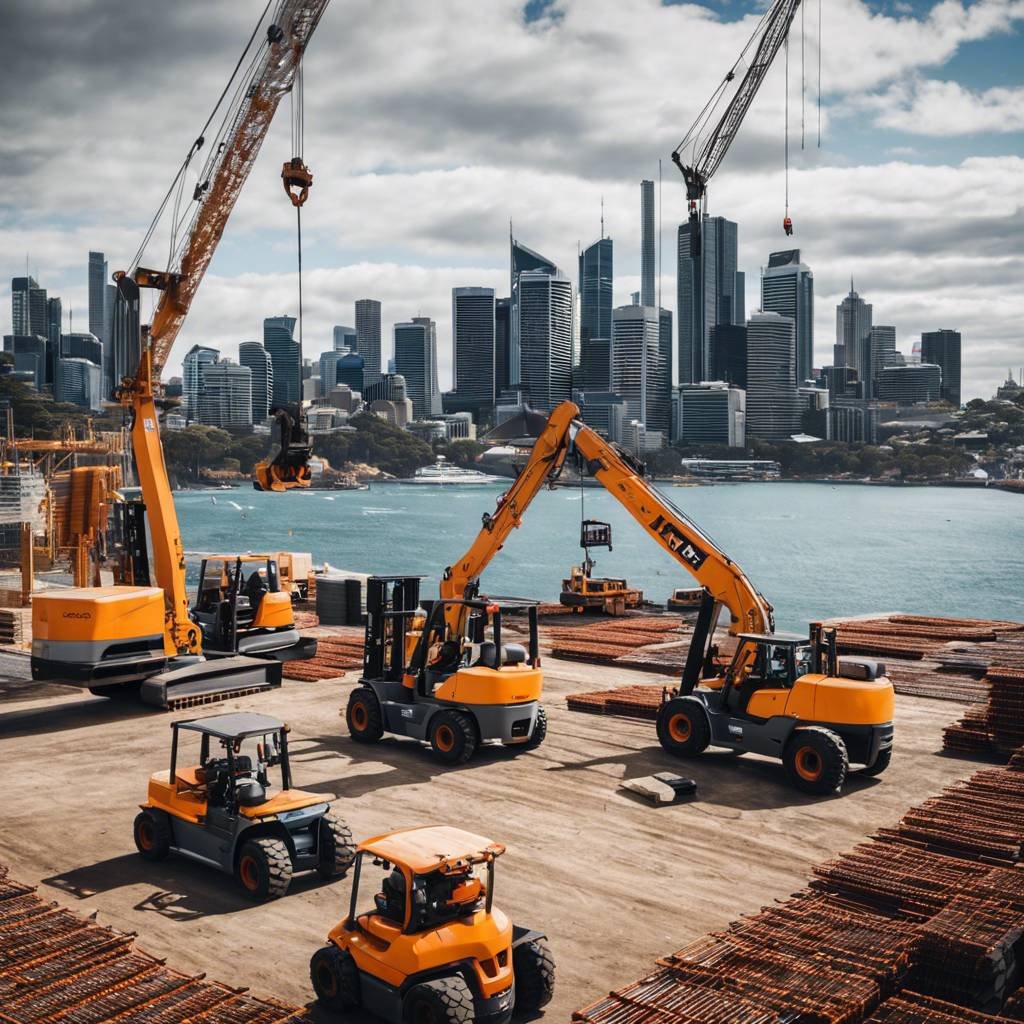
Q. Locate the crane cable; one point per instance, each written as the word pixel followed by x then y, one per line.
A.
pixel 819 74
pixel 301 179
pixel 786 47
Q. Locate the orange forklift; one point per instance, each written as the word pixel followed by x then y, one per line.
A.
pixel 433 948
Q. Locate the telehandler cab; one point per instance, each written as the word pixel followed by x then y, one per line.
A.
pixel 220 812
pixel 433 949
pixel 445 677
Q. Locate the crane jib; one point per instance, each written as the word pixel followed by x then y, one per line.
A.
pixel 678 543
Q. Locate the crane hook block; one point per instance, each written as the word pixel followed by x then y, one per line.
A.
pixel 297 178
pixel 787 225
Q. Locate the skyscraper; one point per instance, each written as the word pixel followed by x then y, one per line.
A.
pixel 709 291
pixel 787 288
pixel 54 325
pixel 28 307
pixel 257 358
pixel 729 354
pixel 523 260
pixel 882 353
pixel 773 405
pixel 78 382
pixel 647 296
pixel 473 345
pixel 910 384
pixel 640 373
pixel 81 345
pixel 710 413
pixel 545 304
pixel 502 344
pixel 853 333
pixel 226 398
pixel 97 294
pixel 943 349
pixel 416 361
pixel 595 285
pixel 345 337
pixel 368 337
pixel 350 371
pixel 595 372
pixel 197 358
pixel 280 343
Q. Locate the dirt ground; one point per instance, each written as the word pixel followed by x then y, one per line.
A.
pixel 613 881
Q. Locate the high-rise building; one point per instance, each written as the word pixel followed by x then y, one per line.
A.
pixel 647 294
pixel 710 413
pixel 943 349
pixel 416 361
pixel 345 337
pixel 29 351
pixel 595 284
pixel 502 344
pixel 729 354
pixel 257 358
pixel 639 371
pixel 226 398
pixel 523 260
pixel 910 384
pixel 328 378
pixel 81 345
pixel 351 371
pixel 882 351
pixel 54 325
pixel 787 288
pixel 79 381
pixel 97 295
pixel 196 360
pixel 595 372
pixel 709 291
pixel 368 337
pixel 773 405
pixel 545 304
pixel 28 308
pixel 473 345
pixel 279 341
pixel 853 333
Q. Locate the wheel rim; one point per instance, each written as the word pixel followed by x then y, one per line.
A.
pixel 445 739
pixel 249 873
pixel 359 716
pixel 808 764
pixel 679 727
pixel 146 839
pixel 326 980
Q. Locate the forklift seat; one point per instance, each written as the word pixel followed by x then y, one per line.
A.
pixel 511 654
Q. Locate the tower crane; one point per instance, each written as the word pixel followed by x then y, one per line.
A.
pixel 128 632
pixel 707 142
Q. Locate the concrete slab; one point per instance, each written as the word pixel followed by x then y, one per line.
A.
pixel 614 881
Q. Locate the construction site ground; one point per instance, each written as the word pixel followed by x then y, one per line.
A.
pixel 614 881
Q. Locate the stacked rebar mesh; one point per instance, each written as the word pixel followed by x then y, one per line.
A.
pixel 920 924
pixel 56 965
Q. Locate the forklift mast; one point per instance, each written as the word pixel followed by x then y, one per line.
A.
pixel 390 603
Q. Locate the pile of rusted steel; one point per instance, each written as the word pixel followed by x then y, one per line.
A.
pixel 338 650
pixel 56 965
pixel 638 701
pixel 997 727
pixel 921 923
pixel 655 643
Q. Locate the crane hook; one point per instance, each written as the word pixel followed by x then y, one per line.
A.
pixel 787 224
pixel 297 179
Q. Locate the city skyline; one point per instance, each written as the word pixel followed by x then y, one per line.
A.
pixel 407 233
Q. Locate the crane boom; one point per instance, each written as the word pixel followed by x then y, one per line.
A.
pixel 770 35
pixel 293 23
pixel 666 525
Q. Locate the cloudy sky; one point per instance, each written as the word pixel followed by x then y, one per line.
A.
pixel 429 126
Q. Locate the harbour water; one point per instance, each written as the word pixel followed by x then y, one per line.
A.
pixel 812 549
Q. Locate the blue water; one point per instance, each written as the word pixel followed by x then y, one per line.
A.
pixel 812 549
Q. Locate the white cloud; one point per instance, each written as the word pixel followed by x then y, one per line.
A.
pixel 931 107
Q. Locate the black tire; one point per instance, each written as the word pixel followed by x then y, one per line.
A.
pixel 363 716
pixel 337 850
pixel 881 763
pixel 683 728
pixel 152 835
pixel 453 736
pixel 441 1001
pixel 533 967
pixel 335 978
pixel 816 760
pixel 264 868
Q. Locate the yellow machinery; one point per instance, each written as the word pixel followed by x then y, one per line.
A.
pixel 432 949
pixel 784 696
pixel 583 591
pixel 105 638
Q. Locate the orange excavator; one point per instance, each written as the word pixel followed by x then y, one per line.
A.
pixel 109 636
pixel 782 695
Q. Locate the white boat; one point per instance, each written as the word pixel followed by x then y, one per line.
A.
pixel 444 474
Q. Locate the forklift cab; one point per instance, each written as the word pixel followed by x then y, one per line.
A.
pixel 239 600
pixel 765 661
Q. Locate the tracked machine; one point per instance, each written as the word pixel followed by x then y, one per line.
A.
pixel 116 639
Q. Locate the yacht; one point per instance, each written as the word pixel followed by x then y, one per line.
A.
pixel 445 474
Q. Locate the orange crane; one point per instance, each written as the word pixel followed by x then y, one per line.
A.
pixel 124 633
